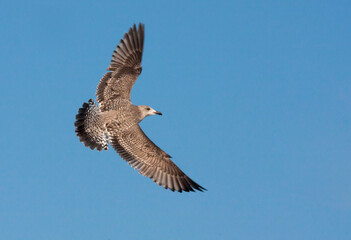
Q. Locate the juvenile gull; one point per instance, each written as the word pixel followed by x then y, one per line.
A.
pixel 116 120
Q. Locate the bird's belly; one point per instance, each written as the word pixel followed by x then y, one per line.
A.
pixel 120 120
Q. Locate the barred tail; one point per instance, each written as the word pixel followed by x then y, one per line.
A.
pixel 90 127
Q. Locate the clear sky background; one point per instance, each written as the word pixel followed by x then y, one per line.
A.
pixel 256 97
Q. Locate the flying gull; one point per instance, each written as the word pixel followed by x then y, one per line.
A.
pixel 116 120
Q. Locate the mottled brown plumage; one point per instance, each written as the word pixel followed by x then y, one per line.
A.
pixel 117 120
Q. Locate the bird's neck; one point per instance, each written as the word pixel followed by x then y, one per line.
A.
pixel 140 114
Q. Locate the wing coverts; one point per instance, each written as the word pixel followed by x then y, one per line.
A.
pixel 125 66
pixel 142 154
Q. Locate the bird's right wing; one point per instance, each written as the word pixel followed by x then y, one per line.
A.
pixel 142 154
pixel 124 69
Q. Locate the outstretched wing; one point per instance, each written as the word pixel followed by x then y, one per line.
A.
pixel 142 154
pixel 125 68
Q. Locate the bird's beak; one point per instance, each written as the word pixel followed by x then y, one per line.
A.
pixel 158 113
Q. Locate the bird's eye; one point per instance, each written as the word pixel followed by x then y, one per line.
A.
pixel 148 109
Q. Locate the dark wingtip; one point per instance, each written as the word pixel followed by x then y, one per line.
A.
pixel 195 185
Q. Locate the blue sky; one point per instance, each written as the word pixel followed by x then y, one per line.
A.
pixel 256 98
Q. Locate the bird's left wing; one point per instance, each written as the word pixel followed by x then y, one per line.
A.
pixel 142 154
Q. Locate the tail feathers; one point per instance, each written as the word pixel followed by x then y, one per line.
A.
pixel 90 127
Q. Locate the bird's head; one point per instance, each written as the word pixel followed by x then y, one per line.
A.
pixel 147 111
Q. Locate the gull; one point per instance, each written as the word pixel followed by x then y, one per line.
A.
pixel 115 120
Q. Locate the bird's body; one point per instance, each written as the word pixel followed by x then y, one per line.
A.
pixel 116 120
